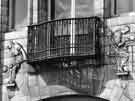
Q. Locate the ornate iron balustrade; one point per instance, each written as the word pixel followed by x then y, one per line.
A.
pixel 63 38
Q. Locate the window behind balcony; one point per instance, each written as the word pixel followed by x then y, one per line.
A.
pixel 18 13
pixel 124 6
pixel 83 8
pixel 118 7
pixel 63 9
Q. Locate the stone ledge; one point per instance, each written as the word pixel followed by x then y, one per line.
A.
pixel 128 18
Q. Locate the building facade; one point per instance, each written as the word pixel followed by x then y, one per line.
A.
pixel 74 43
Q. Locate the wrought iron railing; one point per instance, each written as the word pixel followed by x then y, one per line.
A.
pixel 63 37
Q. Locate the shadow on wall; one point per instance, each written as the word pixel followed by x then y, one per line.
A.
pixel 85 78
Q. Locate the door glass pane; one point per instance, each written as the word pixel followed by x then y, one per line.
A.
pixel 84 8
pixel 62 9
pixel 20 13
pixel 124 6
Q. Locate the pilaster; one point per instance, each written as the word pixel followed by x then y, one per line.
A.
pixel 4 15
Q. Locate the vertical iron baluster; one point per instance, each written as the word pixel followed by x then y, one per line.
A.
pixel 38 39
pixel 46 39
pixel 62 37
pixel 33 41
pixel 67 43
pixel 34 44
pixel 76 38
pixel 30 41
pixel 89 46
pixel 48 29
pixel 58 38
pixel 42 41
pixel 83 37
pixel 55 38
pixel 37 29
pixel 94 32
pixel 80 29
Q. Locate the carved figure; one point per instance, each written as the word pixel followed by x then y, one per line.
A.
pixel 121 39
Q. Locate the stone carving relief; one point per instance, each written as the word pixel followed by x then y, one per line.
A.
pixel 123 44
pixel 122 38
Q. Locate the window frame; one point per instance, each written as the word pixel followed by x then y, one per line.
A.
pixel 116 8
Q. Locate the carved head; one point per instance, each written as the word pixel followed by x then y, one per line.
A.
pixel 121 34
pixel 14 48
pixel 14 54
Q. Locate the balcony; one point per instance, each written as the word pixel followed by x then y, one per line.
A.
pixel 73 37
